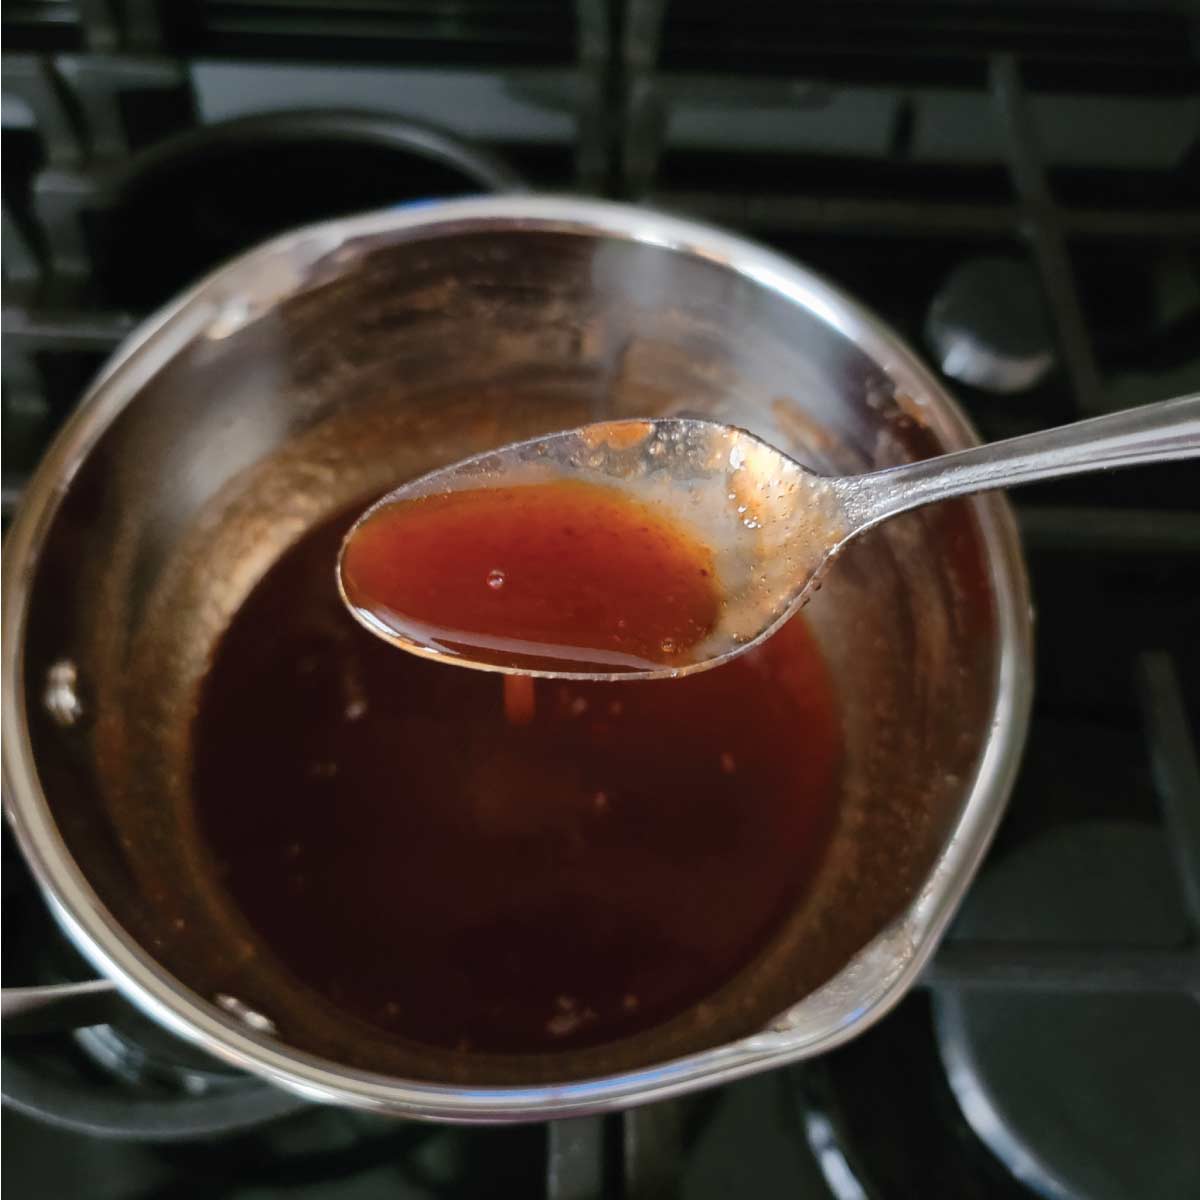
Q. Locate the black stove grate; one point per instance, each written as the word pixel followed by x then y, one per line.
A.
pixel 1013 966
pixel 1128 45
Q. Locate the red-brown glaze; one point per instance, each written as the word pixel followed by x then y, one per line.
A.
pixel 536 575
pixel 588 866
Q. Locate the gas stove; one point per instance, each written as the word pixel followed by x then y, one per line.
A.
pixel 1016 189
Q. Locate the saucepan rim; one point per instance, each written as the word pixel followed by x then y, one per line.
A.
pixel 862 992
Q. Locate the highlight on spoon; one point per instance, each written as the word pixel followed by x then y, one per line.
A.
pixel 628 549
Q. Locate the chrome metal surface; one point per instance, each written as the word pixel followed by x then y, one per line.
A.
pixel 331 364
pixel 772 526
pixel 1164 432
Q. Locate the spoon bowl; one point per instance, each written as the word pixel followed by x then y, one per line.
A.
pixel 769 523
pixel 770 526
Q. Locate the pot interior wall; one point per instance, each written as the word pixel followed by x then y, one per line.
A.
pixel 409 355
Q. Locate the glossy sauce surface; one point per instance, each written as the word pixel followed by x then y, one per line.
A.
pixel 503 864
pixel 534 575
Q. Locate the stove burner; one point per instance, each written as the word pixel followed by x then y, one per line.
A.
pixel 47 1078
pixel 1080 1095
pixel 988 326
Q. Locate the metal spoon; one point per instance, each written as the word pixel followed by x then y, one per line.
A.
pixel 773 525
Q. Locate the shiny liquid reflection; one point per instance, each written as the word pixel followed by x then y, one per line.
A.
pixel 545 866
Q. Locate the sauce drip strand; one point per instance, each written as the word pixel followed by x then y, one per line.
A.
pixel 565 574
pixel 553 869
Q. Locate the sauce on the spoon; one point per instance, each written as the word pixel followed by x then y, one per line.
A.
pixel 568 574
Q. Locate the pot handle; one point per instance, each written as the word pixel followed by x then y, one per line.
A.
pixel 60 1006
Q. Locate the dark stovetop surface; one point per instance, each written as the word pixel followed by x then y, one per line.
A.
pixel 898 150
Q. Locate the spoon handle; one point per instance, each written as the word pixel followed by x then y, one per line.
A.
pixel 1158 432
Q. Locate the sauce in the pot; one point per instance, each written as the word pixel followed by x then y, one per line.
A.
pixel 529 868
pixel 567 572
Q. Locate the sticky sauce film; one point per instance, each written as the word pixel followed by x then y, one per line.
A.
pixel 540 575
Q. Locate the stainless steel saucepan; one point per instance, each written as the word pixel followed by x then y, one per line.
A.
pixel 332 364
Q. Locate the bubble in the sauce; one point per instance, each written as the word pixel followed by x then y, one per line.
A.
pixel 496 579
pixel 569 1017
pixel 244 1013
